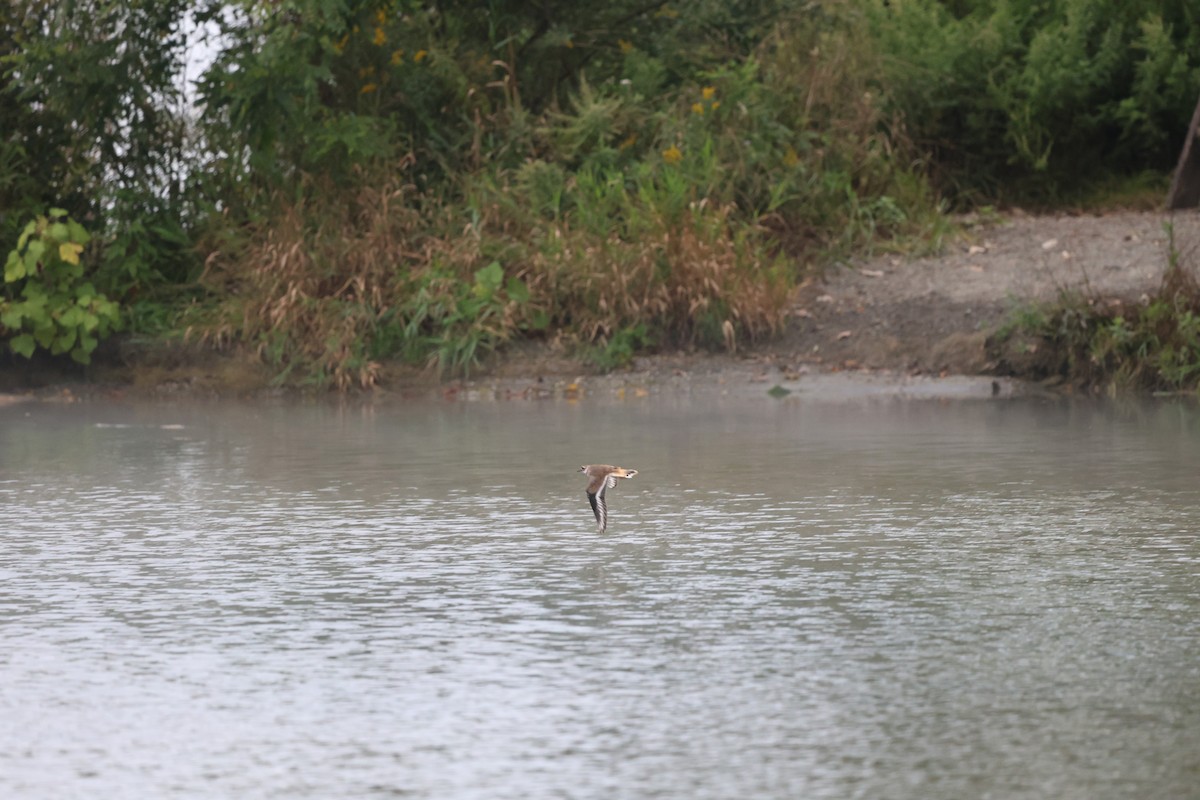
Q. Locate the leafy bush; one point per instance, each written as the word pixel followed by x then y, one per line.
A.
pixel 48 302
pixel 1031 99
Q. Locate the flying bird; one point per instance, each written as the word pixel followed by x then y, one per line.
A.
pixel 601 478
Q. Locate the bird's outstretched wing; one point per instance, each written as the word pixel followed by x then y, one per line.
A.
pixel 596 498
pixel 599 505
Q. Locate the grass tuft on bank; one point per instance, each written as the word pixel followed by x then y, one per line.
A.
pixel 1148 344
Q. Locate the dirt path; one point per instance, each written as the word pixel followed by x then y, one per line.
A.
pixel 932 315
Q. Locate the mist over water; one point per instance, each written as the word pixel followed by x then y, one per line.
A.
pixel 876 599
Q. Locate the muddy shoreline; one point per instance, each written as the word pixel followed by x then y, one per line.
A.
pixel 880 326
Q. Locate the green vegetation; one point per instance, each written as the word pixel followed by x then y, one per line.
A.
pixel 393 179
pixel 47 302
pixel 1151 346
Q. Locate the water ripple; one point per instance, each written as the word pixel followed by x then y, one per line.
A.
pixel 182 619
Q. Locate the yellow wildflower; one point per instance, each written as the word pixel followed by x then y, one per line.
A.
pixel 707 92
pixel 368 88
pixel 790 157
pixel 340 44
pixel 365 71
pixel 419 56
pixel 380 37
pixel 715 105
pixel 397 57
pixel 672 155
pixel 697 108
pixel 626 47
pixel 629 142
pixel 381 16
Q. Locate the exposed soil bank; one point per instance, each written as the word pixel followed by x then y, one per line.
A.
pixel 935 315
pixel 884 326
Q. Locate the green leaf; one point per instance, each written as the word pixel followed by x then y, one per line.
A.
pixel 490 277
pixel 11 316
pixel 106 309
pixel 72 316
pixel 35 298
pixel 33 255
pixel 56 213
pixel 22 345
pixel 44 335
pixel 59 231
pixel 14 268
pixel 78 234
pixel 63 342
pixel 518 292
pixel 30 229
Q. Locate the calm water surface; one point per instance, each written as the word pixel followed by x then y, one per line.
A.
pixel 873 600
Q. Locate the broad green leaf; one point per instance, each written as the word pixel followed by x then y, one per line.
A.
pixel 518 292
pixel 58 231
pixel 35 298
pixel 85 292
pixel 44 335
pixel 490 276
pixel 14 268
pixel 30 229
pixel 22 345
pixel 107 309
pixel 55 213
pixel 63 342
pixel 72 317
pixel 78 234
pixel 37 248
pixel 11 316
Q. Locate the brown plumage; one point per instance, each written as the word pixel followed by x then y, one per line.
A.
pixel 601 478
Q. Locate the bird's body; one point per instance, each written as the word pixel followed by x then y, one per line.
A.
pixel 601 478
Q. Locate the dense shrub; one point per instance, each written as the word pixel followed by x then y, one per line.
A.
pixel 1023 98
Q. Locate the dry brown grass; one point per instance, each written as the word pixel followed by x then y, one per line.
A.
pixel 325 291
pixel 310 286
pixel 695 282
